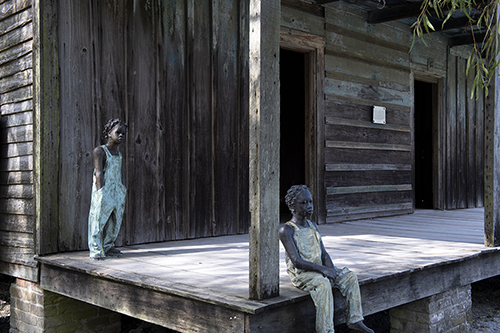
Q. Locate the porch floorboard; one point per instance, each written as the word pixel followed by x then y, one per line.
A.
pixel 385 253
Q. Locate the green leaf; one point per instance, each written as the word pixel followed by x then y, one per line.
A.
pixel 428 23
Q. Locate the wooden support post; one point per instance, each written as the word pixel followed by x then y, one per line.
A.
pixel 492 164
pixel 264 33
pixel 46 113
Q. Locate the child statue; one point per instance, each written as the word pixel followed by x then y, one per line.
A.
pixel 108 193
pixel 311 269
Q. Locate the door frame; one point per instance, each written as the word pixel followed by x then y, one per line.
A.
pixel 314 49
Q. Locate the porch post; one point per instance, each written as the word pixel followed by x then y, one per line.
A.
pixel 492 163
pixel 46 124
pixel 264 104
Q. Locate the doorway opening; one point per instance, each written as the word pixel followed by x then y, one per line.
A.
pixel 425 143
pixel 293 120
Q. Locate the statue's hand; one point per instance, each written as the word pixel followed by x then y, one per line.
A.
pixel 329 272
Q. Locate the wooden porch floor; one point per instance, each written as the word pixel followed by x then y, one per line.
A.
pixel 397 259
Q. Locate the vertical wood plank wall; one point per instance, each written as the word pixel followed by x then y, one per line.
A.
pixel 176 72
pixel 16 140
pixel 465 137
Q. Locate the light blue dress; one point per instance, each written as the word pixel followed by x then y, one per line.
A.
pixel 308 244
pixel 107 206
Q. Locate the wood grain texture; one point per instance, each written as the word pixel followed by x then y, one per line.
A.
pixel 15 21
pixel 302 19
pixel 225 73
pixel 491 166
pixel 173 205
pixel 264 148
pixel 24 271
pixel 366 67
pixel 464 140
pixel 342 15
pixel 16 51
pixel 141 159
pixel 243 120
pixel 76 138
pixel 175 73
pixel 183 315
pixel 16 140
pixel 397 260
pixel 46 83
pixel 201 113
pixel 11 7
pixel 16 36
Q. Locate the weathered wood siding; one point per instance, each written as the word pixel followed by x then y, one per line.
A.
pixel 464 181
pixel 16 140
pixel 177 73
pixel 369 168
pixel 460 173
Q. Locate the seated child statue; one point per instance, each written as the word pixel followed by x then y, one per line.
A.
pixel 108 193
pixel 311 269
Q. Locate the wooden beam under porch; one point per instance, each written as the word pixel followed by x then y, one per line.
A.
pixel 202 284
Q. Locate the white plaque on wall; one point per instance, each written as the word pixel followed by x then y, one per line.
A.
pixel 379 115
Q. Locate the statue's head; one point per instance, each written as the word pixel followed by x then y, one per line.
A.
pixel 110 125
pixel 291 195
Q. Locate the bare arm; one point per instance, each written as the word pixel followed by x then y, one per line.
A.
pixel 286 236
pixel 99 157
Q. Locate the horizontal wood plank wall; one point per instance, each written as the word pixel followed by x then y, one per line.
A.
pixel 16 140
pixel 176 72
pixel 465 136
pixel 368 166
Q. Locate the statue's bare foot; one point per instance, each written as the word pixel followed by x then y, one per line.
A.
pixel 97 257
pixel 114 253
pixel 360 327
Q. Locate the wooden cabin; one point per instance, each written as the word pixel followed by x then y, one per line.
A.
pixel 229 103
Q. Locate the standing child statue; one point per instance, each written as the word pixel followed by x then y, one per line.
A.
pixel 311 269
pixel 108 193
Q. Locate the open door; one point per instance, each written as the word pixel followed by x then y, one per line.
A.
pixel 302 72
pixel 293 119
pixel 426 146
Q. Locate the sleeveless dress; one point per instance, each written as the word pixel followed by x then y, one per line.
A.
pixel 308 243
pixel 107 206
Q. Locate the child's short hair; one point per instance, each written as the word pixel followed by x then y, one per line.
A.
pixel 292 193
pixel 110 125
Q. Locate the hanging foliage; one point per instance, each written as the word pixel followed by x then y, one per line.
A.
pixel 482 18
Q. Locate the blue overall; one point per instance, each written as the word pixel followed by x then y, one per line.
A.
pixel 107 206
pixel 308 243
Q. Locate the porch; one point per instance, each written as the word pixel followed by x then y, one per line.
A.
pixel 202 284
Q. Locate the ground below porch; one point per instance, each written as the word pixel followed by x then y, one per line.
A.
pixel 202 285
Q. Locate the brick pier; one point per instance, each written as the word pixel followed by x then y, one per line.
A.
pixel 448 312
pixel 35 310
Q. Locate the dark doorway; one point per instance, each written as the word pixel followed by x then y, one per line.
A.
pixel 292 123
pixel 424 107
